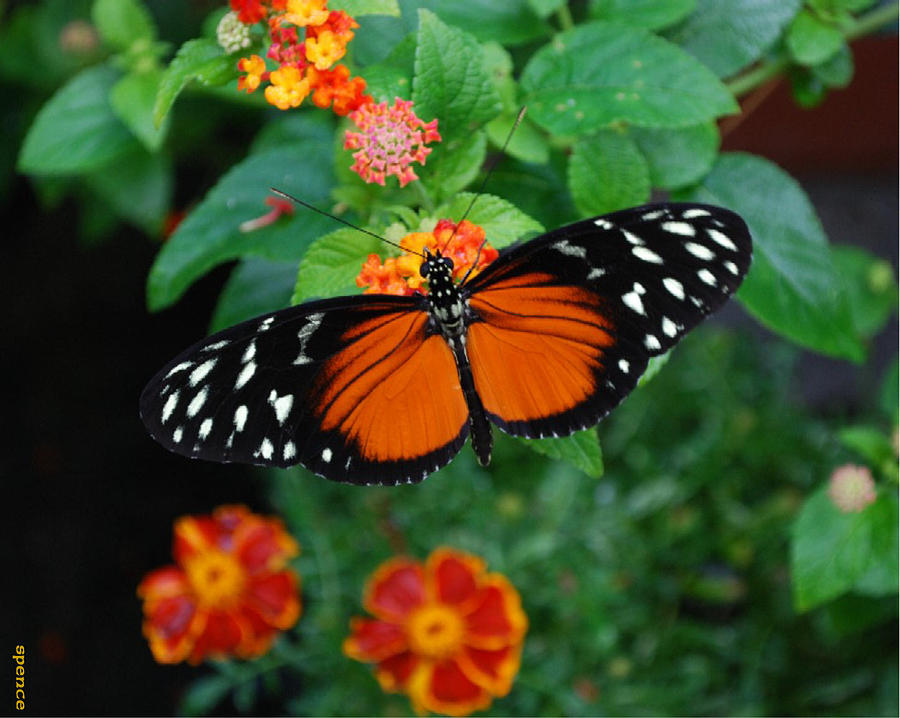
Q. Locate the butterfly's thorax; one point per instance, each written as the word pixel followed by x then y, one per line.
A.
pixel 446 305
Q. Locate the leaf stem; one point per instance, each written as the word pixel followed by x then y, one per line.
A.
pixel 765 71
pixel 564 17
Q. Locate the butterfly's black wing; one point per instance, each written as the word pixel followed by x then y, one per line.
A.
pixel 336 385
pixel 563 325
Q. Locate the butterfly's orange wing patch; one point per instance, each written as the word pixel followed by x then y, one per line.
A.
pixel 393 392
pixel 538 351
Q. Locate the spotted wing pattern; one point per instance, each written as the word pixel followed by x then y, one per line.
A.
pixel 354 388
pixel 565 324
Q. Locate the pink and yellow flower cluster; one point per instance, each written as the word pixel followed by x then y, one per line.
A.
pixel 305 65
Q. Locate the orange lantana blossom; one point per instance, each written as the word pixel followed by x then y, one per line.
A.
pixel 229 593
pixel 446 633
pixel 305 40
pixel 463 242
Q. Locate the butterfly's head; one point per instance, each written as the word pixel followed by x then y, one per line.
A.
pixel 435 263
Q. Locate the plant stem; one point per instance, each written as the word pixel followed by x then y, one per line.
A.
pixel 765 71
pixel 564 17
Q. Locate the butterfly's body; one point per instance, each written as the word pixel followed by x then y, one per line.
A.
pixel 385 389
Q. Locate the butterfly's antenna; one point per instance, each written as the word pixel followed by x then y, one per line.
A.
pixel 343 221
pixel 487 177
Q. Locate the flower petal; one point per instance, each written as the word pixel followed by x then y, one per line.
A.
pixel 162 583
pixel 455 576
pixel 222 635
pixel 498 619
pixel 193 535
pixel 275 597
pixel 393 673
pixel 372 640
pixel 171 627
pixel 263 545
pixel 443 688
pixel 492 670
pixel 396 587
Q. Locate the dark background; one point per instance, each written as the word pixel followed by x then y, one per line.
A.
pixel 90 499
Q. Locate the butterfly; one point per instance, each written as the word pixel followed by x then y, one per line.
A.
pixel 385 389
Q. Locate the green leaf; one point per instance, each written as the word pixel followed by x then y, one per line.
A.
pixel 357 8
pixel 607 172
pixel 677 157
pixel 836 71
pixel 648 14
pixel 833 551
pixel 392 77
pixel 210 235
pixel 201 59
pixel 654 366
pixel 792 286
pixel 581 449
pixel 132 100
pixel 138 188
pixel 727 35
pixel 121 23
pixel 331 264
pixel 527 143
pixel 602 73
pixel 538 189
pixel 890 389
pixel 204 694
pixel 453 164
pixel 76 131
pixel 256 286
pixel 881 575
pixel 503 222
pixel 509 22
pixel 450 80
pixel 545 8
pixel 869 442
pixel 869 285
pixel 811 40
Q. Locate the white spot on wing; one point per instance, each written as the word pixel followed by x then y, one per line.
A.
pixel 197 402
pixel 699 251
pixel 249 352
pixel 326 455
pixel 603 223
pixel 240 417
pixel 695 212
pixel 633 299
pixel 634 239
pixel 177 434
pixel 216 345
pixel 651 342
pixel 707 276
pixel 179 367
pixel 265 449
pixel 281 404
pixel 731 267
pixel 570 250
pixel 596 273
pixel 675 288
pixel 248 371
pixel 721 238
pixel 199 374
pixel 266 324
pixel 624 366
pixel 169 407
pixel 646 255
pixel 682 228
pixel 312 323
pixel 655 214
pixel 205 428
pixel 290 451
pixel 668 327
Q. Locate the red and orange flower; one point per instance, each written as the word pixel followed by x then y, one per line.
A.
pixel 446 633
pixel 463 242
pixel 228 594
pixel 306 39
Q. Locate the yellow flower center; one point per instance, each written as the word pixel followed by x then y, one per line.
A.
pixel 216 577
pixel 435 630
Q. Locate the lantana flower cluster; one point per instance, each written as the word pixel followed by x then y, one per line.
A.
pixel 306 40
pixel 463 242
